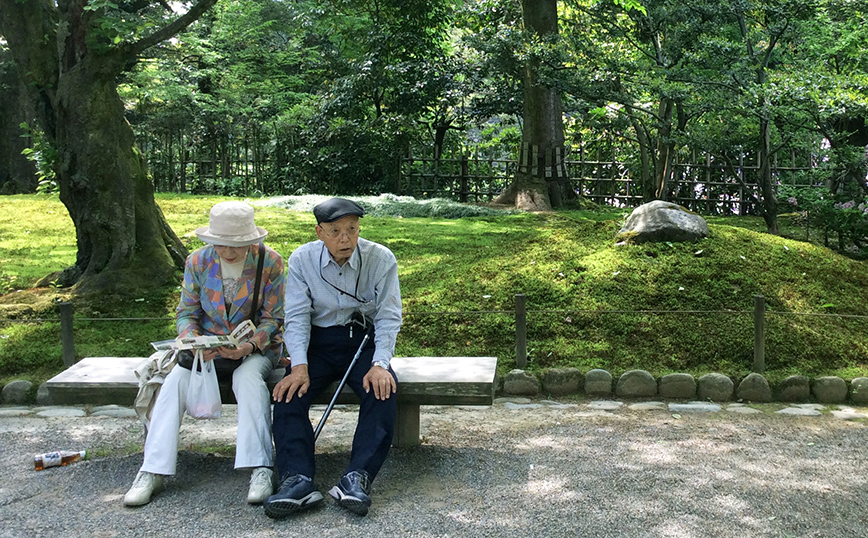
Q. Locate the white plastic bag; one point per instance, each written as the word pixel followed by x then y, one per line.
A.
pixel 203 393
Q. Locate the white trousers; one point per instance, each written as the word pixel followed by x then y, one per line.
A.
pixel 253 446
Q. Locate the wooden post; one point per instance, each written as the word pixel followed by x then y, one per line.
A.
pixel 465 171
pixel 66 335
pixel 759 334
pixel 521 330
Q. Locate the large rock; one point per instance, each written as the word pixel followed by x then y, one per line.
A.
pixel 598 383
pixel 754 388
pixel 16 392
pixel 519 382
pixel 560 381
pixel 636 384
pixel 677 386
pixel 662 221
pixel 859 390
pixel 715 387
pixel 830 389
pixel 796 388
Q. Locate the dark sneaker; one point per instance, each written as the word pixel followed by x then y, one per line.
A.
pixel 296 493
pixel 352 492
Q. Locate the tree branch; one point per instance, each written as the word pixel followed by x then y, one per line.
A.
pixel 171 29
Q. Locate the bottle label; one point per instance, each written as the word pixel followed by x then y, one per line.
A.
pixel 52 459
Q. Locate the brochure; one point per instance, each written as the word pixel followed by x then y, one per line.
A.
pixel 241 334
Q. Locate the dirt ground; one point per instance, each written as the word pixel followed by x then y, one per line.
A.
pixel 490 471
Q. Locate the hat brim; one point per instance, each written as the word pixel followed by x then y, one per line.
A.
pixel 204 233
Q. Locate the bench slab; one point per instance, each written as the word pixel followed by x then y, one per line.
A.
pixel 421 381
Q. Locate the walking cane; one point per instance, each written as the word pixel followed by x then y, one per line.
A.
pixel 340 387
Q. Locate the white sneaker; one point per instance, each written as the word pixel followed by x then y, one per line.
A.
pixel 145 485
pixel 261 485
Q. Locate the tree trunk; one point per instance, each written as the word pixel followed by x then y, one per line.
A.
pixel 644 161
pixel 122 236
pixel 17 173
pixel 541 180
pixel 766 182
pixel 665 150
pixel 123 239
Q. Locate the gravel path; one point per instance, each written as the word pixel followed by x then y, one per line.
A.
pixel 497 471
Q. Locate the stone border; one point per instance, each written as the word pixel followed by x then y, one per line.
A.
pixel 632 384
pixel 713 387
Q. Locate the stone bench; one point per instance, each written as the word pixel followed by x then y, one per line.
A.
pixel 421 381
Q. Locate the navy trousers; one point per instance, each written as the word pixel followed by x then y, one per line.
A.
pixel 329 355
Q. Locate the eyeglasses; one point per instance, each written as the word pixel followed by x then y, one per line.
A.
pixel 335 233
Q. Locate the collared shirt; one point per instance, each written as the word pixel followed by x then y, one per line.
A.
pixel 313 282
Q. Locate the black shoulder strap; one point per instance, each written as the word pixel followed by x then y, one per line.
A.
pixel 254 314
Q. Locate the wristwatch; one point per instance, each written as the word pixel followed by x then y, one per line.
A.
pixel 381 363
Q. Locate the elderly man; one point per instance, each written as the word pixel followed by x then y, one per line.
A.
pixel 337 289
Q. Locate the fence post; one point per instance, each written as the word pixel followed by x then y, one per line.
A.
pixel 465 171
pixel 521 330
pixel 759 334
pixel 67 340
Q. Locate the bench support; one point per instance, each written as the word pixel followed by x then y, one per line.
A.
pixel 406 426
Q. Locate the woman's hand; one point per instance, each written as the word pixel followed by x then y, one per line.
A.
pixel 235 354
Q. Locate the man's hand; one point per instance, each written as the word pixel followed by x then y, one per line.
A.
pixel 298 381
pixel 382 382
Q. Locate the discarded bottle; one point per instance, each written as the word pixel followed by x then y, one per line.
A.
pixel 57 458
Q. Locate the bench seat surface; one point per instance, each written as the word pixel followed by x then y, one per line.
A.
pixel 422 381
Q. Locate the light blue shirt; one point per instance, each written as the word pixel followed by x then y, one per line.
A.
pixel 310 300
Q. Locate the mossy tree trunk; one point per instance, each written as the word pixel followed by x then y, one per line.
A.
pixel 122 237
pixel 541 180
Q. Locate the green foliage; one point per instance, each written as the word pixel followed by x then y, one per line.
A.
pixel 44 155
pixel 845 216
pixel 679 307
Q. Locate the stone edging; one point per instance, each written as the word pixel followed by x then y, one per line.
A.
pixel 713 387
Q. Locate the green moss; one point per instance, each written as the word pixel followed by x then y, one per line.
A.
pixel 661 307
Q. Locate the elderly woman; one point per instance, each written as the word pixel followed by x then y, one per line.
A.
pixel 217 296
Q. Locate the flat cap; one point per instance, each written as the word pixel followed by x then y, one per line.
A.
pixel 336 208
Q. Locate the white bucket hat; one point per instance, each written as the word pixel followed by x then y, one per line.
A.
pixel 231 225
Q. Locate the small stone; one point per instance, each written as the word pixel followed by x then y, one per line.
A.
pixel 694 407
pixel 715 387
pixel 798 411
pixel 61 412
pixel 514 406
pixel 829 389
pixel 16 392
pixel 605 405
pixel 859 390
pixel 598 383
pixel 512 400
pixel 848 415
pixel 636 384
pixel 677 386
pixel 520 382
pixel 754 388
pixel 796 388
pixel 560 381
pixel 647 406
pixel 43 395
pixel 113 411
pixel 742 410
pixel 15 411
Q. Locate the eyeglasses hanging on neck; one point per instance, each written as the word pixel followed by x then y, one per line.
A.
pixel 344 292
